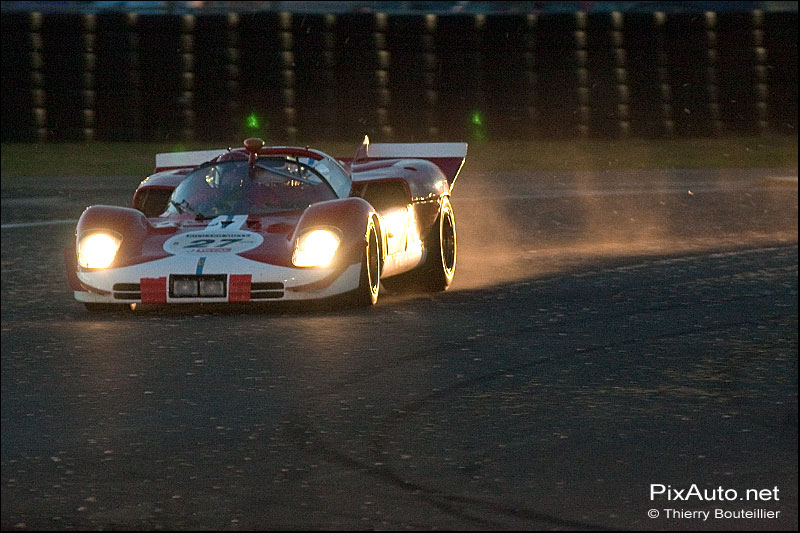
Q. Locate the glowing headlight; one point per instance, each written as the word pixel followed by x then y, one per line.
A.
pixel 315 249
pixel 97 250
pixel 396 223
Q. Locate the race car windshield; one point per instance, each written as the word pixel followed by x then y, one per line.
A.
pixel 274 184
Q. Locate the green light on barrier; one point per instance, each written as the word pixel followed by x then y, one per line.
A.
pixel 477 126
pixel 477 118
pixel 252 121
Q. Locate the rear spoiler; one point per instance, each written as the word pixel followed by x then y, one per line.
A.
pixel 176 160
pixel 179 160
pixel 449 157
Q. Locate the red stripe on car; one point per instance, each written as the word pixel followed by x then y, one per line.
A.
pixel 154 290
pixel 239 288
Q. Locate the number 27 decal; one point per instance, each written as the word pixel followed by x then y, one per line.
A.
pixel 215 243
pixel 223 243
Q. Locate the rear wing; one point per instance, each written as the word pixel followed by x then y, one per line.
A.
pixel 449 157
pixel 176 160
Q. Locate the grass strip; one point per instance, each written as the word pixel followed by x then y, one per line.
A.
pixel 92 159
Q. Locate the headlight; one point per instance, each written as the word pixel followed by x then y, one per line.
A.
pixel 396 223
pixel 315 249
pixel 97 250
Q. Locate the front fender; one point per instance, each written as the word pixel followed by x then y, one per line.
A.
pixel 349 216
pixel 130 224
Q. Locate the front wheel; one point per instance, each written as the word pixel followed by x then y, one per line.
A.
pixel 369 285
pixel 439 268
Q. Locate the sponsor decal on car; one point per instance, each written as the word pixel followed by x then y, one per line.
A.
pixel 213 242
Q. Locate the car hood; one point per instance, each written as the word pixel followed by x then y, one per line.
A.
pixel 263 238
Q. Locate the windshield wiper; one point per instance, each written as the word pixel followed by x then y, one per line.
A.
pixel 289 176
pixel 184 207
pixel 179 206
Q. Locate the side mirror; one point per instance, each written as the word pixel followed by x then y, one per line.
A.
pixel 362 152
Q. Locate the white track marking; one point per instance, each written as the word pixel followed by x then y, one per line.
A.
pixel 34 224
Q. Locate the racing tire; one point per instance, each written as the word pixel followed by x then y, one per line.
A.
pixel 439 267
pixel 369 285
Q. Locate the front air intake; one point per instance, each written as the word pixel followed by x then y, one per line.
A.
pixel 127 291
pixel 266 291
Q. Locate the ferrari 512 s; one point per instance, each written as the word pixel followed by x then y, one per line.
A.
pixel 258 224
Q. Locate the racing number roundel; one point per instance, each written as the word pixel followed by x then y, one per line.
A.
pixel 213 242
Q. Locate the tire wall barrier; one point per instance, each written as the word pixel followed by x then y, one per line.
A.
pixel 299 77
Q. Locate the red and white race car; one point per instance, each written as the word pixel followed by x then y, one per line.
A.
pixel 258 224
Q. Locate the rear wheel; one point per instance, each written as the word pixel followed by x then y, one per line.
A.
pixel 439 268
pixel 370 281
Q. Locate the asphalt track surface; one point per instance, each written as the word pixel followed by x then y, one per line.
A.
pixel 606 332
